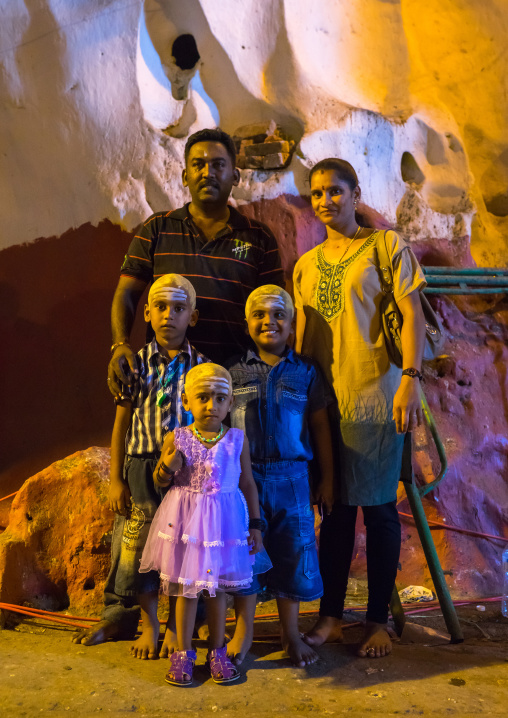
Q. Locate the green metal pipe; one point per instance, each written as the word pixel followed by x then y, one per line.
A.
pixel 466 271
pixel 429 420
pixel 450 279
pixel 398 615
pixel 436 572
pixel 465 290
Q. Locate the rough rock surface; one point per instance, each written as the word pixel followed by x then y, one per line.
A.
pixel 96 110
pixel 55 551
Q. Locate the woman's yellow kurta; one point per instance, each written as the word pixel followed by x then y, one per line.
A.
pixel 344 333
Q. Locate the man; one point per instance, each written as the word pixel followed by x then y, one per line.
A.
pixel 225 256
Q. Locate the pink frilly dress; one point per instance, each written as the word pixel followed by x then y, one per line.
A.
pixel 198 537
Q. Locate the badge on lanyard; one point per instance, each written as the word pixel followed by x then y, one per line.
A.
pixel 163 393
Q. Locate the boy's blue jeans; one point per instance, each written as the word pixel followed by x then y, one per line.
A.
pixel 130 532
pixel 290 541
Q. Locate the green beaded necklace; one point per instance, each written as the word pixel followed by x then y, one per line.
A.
pixel 208 441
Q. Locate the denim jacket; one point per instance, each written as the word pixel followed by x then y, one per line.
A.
pixel 272 404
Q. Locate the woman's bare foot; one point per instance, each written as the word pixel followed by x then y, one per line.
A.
pixel 96 633
pixel 376 641
pixel 239 645
pixel 170 644
pixel 326 630
pixel 300 653
pixel 146 646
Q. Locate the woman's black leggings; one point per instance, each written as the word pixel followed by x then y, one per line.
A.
pixel 336 545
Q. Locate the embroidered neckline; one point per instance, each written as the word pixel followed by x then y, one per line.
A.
pixel 330 285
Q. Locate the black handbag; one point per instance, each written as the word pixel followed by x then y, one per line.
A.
pixel 391 315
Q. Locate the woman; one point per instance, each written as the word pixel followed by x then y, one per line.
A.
pixel 337 295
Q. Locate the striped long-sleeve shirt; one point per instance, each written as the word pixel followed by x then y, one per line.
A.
pixel 151 418
pixel 243 256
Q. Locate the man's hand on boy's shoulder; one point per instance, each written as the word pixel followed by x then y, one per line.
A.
pixel 123 372
pixel 119 497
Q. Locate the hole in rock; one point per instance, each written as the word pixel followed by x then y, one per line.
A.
pixel 409 169
pixel 185 52
pixel 89 584
pixel 435 148
pixel 498 205
pixel 453 142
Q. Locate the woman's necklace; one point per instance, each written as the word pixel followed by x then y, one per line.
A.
pixel 208 441
pixel 349 245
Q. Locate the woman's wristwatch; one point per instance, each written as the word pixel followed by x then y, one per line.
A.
pixel 413 373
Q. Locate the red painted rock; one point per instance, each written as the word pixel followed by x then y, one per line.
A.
pixel 55 550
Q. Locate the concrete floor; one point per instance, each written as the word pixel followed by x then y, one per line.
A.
pixel 43 672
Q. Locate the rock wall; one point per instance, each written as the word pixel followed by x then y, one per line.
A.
pixel 97 106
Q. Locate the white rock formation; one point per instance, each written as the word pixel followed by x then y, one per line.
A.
pixel 415 98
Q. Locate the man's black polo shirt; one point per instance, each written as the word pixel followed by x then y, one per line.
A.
pixel 224 271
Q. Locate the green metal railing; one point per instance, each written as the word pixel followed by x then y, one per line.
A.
pixel 414 495
pixel 470 280
pixel 441 280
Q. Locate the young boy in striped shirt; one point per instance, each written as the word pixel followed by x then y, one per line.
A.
pixel 141 423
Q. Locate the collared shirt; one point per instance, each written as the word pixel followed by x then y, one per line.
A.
pixel 154 414
pixel 223 271
pixel 273 404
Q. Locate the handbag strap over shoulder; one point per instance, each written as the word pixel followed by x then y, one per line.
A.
pixel 385 264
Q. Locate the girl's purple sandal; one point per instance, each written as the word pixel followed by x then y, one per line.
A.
pixel 221 668
pixel 181 664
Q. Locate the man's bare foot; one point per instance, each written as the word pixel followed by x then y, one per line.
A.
pixel 239 645
pixel 300 653
pixel 376 641
pixel 146 646
pixel 96 633
pixel 326 630
pixel 170 644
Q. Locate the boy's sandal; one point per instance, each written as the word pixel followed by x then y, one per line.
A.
pixel 181 664
pixel 220 666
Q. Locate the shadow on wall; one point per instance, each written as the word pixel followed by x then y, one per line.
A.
pixel 55 298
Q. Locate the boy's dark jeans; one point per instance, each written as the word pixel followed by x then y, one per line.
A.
pixel 290 540
pixel 130 532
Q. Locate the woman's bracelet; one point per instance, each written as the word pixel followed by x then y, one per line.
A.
pixel 257 524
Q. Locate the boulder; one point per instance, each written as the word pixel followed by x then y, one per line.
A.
pixel 54 553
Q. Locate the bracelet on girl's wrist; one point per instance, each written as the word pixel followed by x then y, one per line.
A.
pixel 257 524
pixel 165 470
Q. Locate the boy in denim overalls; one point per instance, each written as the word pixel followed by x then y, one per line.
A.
pixel 281 403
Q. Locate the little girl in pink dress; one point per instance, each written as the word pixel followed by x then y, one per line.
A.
pixel 198 538
pixel 201 538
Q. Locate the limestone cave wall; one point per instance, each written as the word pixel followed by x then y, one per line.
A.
pixel 97 103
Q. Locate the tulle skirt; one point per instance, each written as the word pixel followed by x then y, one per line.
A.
pixel 198 541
